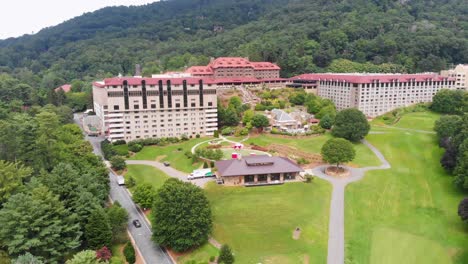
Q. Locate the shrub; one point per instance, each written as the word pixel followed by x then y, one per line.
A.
pixel 212 258
pixel 216 134
pixel 129 253
pixel 227 131
pixel 212 164
pixel 131 182
pixel 301 161
pixel 225 255
pixel 197 136
pixel 107 150
pixel 205 165
pixel 134 147
pixel 308 178
pixel 119 142
pixel 188 154
pixel 118 163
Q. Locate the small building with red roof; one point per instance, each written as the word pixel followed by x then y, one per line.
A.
pixel 66 88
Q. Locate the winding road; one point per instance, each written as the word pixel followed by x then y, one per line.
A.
pixel 336 241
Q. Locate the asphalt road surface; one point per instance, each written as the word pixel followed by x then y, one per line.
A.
pixel 150 252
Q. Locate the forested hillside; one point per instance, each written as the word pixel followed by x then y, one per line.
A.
pixel 299 35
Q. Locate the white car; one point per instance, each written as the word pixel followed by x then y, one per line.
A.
pixel 201 173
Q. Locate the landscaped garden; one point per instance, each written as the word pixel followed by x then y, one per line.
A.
pixel 173 153
pixel 406 214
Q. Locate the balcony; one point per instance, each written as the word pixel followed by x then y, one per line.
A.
pixel 207 115
pixel 115 115
pixel 120 125
pixel 211 110
pixel 116 130
pixel 115 136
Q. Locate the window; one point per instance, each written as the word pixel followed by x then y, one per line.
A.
pixel 210 103
pixel 153 106
pixel 136 107
pixel 116 107
pixel 192 104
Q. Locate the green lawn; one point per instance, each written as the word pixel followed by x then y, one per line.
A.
pixel 258 222
pixel 364 156
pixel 148 174
pixel 407 214
pixel 171 153
pixel 199 255
pixel 418 120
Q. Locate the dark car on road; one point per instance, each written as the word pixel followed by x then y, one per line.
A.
pixel 167 164
pixel 136 223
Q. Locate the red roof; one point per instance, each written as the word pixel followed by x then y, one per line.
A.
pixel 370 78
pixel 265 66
pixel 178 81
pixel 200 70
pixel 66 88
pixel 230 62
pixel 151 81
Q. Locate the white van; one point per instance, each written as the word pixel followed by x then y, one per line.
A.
pixel 201 173
pixel 120 180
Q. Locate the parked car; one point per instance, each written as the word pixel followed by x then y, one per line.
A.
pixel 167 164
pixel 201 173
pixel 136 223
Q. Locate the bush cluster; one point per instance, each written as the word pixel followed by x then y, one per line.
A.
pixel 129 253
pixel 209 153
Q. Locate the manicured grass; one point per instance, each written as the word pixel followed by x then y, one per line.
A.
pixel 421 120
pixel 258 222
pixel 364 156
pixel 147 174
pixel 171 153
pixel 199 255
pixel 121 148
pixel 405 248
pixel 413 203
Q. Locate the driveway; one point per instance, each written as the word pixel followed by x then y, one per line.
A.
pixel 150 252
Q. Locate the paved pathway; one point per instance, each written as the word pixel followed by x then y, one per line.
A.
pixel 170 171
pixel 336 242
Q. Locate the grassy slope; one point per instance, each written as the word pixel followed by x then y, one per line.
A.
pixel 414 203
pixel 199 255
pixel 148 174
pixel 419 120
pixel 364 156
pixel 258 222
pixel 170 153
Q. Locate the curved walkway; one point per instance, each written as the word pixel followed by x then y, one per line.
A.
pixel 336 242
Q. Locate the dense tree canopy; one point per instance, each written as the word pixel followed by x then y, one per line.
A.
pixel 36 221
pixel 144 195
pixel 351 124
pixel 182 216
pixel 448 101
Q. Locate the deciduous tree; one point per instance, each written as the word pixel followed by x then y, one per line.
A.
pixel 11 178
pixel 260 121
pixel 351 124
pixel 144 195
pixel 337 151
pixel 182 216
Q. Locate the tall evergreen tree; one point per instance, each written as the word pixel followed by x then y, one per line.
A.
pixel 98 231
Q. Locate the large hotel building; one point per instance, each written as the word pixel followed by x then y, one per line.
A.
pixel 132 108
pixel 236 67
pixel 376 94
